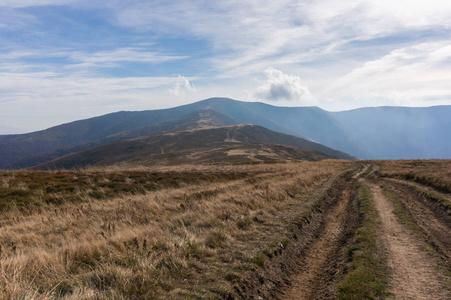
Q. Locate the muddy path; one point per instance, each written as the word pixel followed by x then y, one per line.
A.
pixel 415 273
pixel 314 282
pixel 323 264
pixel 363 169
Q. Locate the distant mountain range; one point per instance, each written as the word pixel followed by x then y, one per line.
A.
pixel 367 133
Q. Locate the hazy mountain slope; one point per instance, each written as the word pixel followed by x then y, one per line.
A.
pixel 400 132
pixel 313 122
pixel 230 144
pixel 377 132
pixel 198 119
pixel 14 148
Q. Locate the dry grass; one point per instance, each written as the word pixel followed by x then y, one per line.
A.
pixel 434 173
pixel 172 232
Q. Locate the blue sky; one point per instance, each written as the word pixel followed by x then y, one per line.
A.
pixel 63 60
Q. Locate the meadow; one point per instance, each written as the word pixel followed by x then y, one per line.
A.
pixel 191 232
pixel 294 230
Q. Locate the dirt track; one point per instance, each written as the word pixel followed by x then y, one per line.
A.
pixel 417 260
pixel 323 262
pixel 434 222
pixel 307 284
pixel 414 271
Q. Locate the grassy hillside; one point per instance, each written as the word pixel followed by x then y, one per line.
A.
pixel 198 119
pixel 172 233
pixel 310 229
pixel 435 173
pixel 230 144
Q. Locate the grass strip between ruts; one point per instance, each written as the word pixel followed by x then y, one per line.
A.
pixel 369 273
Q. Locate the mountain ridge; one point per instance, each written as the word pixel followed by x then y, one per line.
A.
pixel 364 132
pixel 241 143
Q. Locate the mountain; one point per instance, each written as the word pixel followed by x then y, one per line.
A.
pixel 398 132
pixel 368 133
pixel 227 144
pixel 198 119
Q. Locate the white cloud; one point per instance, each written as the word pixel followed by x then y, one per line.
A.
pixel 128 54
pixel 123 54
pixel 252 34
pixel 404 75
pixel 283 87
pixel 28 3
pixel 46 87
pixel 252 31
pixel 18 54
pixel 181 86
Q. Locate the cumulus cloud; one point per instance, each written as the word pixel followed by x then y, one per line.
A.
pixel 280 86
pixel 182 85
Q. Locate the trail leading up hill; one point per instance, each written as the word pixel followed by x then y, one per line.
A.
pixel 414 272
pixel 414 249
pixel 307 284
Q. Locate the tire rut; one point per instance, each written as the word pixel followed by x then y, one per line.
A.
pixel 313 283
pixel 414 272
pixel 437 228
pixel 420 186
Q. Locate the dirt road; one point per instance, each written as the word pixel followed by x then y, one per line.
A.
pixel 417 257
pixel 307 284
pixel 414 272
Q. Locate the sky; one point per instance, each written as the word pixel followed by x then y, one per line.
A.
pixel 64 60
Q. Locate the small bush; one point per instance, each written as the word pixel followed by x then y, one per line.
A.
pixel 244 223
pixel 260 259
pixel 215 240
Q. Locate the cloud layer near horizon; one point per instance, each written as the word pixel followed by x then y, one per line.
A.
pixel 67 59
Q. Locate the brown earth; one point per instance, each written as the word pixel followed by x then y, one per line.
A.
pixel 415 274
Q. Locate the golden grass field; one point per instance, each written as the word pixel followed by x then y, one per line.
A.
pixel 434 173
pixel 189 232
pixel 223 231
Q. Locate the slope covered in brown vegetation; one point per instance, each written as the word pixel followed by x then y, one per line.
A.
pixel 192 232
pixel 234 144
pixel 296 230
